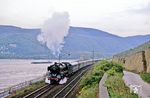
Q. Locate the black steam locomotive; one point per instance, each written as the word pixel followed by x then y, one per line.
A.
pixel 58 72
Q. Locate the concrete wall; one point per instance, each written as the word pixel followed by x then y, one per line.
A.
pixel 137 62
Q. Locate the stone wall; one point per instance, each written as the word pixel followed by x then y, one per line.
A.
pixel 135 62
pixel 147 57
pixel 138 62
pixel 119 59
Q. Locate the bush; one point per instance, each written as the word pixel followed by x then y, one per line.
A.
pixel 105 65
pixel 118 67
pixel 111 71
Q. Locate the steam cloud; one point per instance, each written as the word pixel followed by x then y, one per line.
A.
pixel 53 32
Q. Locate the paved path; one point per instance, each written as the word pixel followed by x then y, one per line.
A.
pixel 103 93
pixel 134 79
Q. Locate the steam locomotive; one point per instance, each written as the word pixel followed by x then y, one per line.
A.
pixel 58 72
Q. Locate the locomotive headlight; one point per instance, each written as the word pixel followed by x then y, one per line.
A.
pixel 58 76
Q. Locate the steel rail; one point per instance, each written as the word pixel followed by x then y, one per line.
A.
pixel 61 91
pixel 34 93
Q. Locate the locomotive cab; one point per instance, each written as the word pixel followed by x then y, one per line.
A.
pixel 69 68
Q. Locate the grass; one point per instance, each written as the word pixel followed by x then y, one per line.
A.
pixel 20 93
pixel 145 76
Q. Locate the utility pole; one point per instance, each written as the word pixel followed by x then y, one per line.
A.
pixel 59 57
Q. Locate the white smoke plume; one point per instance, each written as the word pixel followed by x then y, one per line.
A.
pixel 54 30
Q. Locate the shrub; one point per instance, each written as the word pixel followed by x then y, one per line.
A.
pixel 105 65
pixel 111 71
pixel 118 67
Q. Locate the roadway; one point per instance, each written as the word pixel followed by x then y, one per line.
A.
pixel 135 79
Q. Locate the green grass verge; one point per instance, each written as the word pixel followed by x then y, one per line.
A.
pixel 20 93
pixel 145 76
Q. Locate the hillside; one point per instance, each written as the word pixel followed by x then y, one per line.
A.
pixel 16 42
pixel 137 49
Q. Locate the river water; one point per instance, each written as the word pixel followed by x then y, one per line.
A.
pixel 13 71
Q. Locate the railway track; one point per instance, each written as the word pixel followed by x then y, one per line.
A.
pixel 64 92
pixel 39 92
pixel 58 91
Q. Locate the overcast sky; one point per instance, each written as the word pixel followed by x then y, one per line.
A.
pixel 120 17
